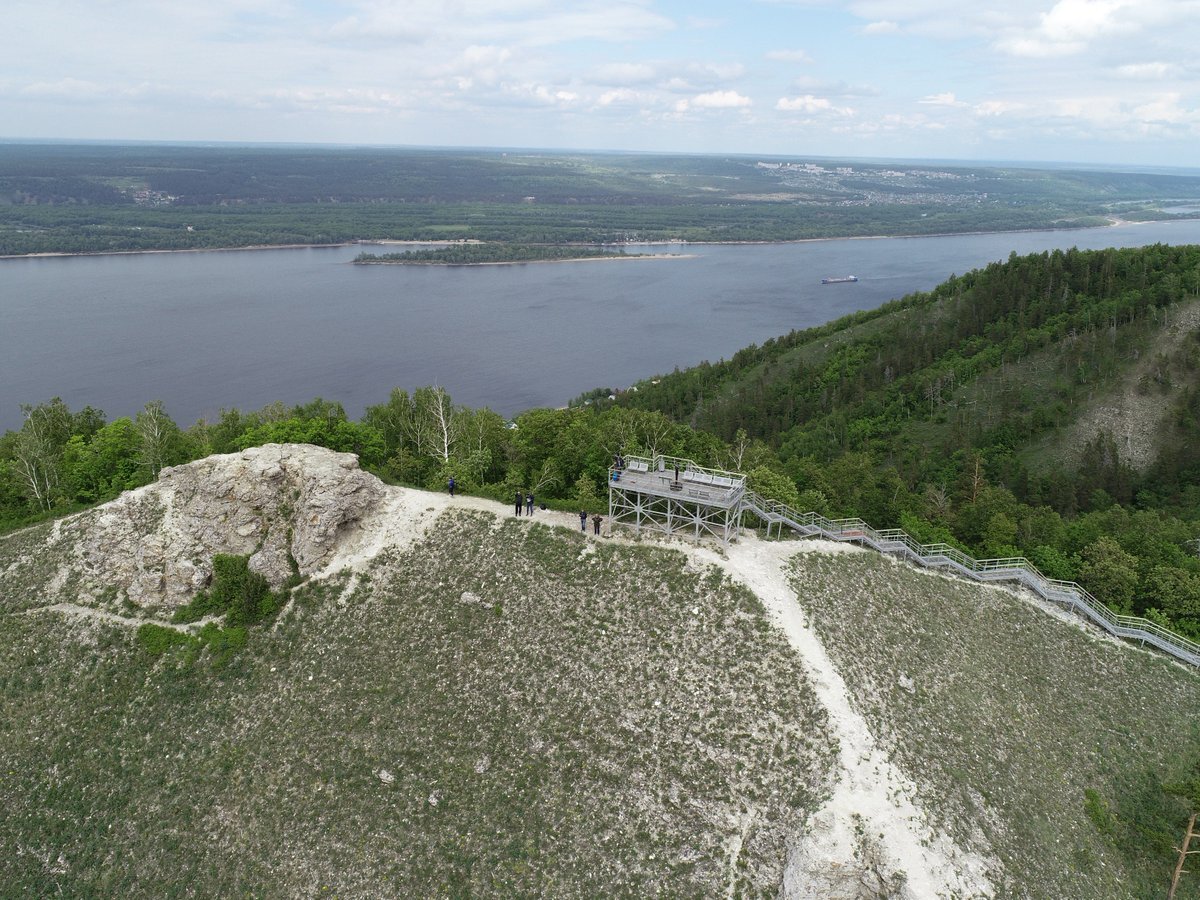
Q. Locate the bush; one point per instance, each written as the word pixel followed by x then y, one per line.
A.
pixel 157 639
pixel 245 596
pixel 242 596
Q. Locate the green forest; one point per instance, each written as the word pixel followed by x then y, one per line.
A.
pixel 936 413
pixel 489 254
pixel 63 198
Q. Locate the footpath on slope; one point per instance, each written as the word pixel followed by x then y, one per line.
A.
pixel 870 832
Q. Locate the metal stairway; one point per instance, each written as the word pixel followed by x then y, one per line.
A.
pixel 943 556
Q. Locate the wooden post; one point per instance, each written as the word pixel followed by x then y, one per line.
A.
pixel 1183 855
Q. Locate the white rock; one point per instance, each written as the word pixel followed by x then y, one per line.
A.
pixel 157 543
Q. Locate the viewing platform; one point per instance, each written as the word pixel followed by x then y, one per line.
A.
pixel 671 495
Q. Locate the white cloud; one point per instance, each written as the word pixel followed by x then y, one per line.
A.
pixel 721 100
pixel 1166 110
pixel 811 105
pixel 1151 71
pixel 625 73
pixel 523 22
pixel 943 99
pixel 1070 26
pixel 998 107
pixel 678 85
pixel 620 97
pixel 1082 20
pixel 884 26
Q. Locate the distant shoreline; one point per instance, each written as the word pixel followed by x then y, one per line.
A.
pixel 1112 223
pixel 516 262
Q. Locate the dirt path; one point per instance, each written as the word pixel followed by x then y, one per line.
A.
pixel 871 797
pixel 111 618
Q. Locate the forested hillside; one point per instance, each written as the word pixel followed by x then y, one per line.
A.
pixel 949 414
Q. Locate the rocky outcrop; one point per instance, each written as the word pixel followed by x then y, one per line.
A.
pixel 278 503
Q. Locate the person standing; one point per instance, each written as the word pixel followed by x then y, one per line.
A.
pixel 596 520
pixel 583 517
pixel 450 485
pixel 529 504
pixel 520 501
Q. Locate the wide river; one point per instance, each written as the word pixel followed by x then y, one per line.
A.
pixel 202 331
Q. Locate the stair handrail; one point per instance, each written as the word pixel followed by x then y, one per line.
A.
pixel 1013 568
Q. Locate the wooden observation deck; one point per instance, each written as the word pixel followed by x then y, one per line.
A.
pixel 672 495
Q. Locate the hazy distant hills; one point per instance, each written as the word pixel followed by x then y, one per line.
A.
pixel 90 198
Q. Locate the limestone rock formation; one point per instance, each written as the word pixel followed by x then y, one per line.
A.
pixel 278 502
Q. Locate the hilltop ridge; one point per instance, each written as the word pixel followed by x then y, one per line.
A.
pixel 456 699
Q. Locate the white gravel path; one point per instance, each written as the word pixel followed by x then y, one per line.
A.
pixel 871 796
pixel 870 793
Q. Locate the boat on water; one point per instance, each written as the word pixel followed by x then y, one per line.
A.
pixel 845 279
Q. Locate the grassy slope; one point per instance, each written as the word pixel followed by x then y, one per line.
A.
pixel 1008 718
pixel 581 729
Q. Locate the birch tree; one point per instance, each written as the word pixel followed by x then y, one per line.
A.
pixel 38 447
pixel 435 422
pixel 158 435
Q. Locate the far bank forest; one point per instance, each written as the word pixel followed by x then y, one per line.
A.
pixel 1045 407
pixel 491 254
pixel 63 198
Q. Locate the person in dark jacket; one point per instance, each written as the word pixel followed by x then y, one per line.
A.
pixel 450 485
pixel 583 520
pixel 520 502
pixel 596 520
pixel 529 504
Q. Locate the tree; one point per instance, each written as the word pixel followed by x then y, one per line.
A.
pixel 158 437
pixel 104 465
pixel 585 493
pixel 773 486
pixel 37 450
pixel 1110 573
pixel 392 419
pixel 1176 594
pixel 433 427
pixel 737 451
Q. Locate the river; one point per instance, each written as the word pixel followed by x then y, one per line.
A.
pixel 203 331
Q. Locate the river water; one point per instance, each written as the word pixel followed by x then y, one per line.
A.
pixel 203 331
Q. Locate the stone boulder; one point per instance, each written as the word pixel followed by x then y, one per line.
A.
pixel 278 503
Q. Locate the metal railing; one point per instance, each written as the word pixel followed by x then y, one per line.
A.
pixel 1017 568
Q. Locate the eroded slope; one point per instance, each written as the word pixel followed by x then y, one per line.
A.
pixel 1004 716
pixel 500 708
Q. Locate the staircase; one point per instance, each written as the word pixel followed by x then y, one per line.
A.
pixel 942 556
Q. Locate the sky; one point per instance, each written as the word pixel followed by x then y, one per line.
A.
pixel 1090 81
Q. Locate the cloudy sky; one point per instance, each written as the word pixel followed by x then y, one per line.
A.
pixel 1106 81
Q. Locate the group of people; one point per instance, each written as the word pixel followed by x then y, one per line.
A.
pixel 525 501
pixel 583 520
pixel 528 501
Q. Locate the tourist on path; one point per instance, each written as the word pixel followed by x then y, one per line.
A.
pixel 520 501
pixel 450 484
pixel 529 504
pixel 583 520
pixel 596 520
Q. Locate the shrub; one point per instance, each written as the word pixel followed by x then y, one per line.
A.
pixel 157 639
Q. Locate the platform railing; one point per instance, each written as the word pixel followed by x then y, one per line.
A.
pixel 689 471
pixel 941 555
